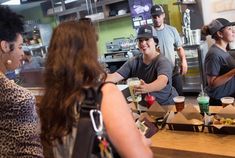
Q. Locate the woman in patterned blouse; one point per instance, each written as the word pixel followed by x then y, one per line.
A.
pixel 19 122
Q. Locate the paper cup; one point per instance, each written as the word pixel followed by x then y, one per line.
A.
pixel 179 103
pixel 226 101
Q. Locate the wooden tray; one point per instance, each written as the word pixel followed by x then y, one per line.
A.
pixel 224 130
pixel 185 127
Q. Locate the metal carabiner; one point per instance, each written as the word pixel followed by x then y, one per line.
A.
pixel 98 128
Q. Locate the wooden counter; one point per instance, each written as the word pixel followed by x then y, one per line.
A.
pixel 37 92
pixel 182 144
pixel 179 144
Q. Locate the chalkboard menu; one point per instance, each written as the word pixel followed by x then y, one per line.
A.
pixel 140 12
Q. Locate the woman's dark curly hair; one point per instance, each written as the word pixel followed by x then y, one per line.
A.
pixel 11 24
pixel 71 66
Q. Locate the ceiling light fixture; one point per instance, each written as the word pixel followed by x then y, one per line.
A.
pixel 12 2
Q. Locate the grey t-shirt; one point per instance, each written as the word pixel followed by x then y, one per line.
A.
pixel 135 67
pixel 217 63
pixel 169 39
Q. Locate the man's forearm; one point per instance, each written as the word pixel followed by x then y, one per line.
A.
pixel 158 84
pixel 114 77
pixel 221 80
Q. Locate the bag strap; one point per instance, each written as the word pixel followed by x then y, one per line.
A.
pixel 93 96
pixel 99 96
pixel 84 138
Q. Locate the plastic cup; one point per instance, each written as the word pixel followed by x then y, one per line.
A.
pixel 226 101
pixel 203 102
pixel 132 82
pixel 179 103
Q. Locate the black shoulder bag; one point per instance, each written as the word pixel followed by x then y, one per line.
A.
pixel 92 140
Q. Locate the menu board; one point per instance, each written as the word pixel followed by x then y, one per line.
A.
pixel 140 12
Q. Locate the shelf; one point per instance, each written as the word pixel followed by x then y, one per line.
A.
pixel 103 6
pixel 115 52
pixel 69 11
pixel 114 17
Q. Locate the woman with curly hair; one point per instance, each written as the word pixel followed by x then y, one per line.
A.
pixel 19 122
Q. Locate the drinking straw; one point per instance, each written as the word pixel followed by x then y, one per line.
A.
pixel 202 90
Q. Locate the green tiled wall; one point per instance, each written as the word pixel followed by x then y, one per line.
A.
pixel 35 14
pixel 108 30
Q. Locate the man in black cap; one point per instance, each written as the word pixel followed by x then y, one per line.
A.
pixel 169 41
pixel 153 69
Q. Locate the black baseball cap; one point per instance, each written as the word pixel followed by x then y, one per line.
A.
pixel 147 31
pixel 157 10
pixel 218 24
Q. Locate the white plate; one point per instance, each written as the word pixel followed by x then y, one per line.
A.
pixel 122 86
pixel 130 99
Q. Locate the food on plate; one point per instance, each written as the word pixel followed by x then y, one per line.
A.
pixel 223 121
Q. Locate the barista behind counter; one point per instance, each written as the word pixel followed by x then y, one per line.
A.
pixel 154 70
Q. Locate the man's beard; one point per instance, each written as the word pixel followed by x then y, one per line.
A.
pixel 156 24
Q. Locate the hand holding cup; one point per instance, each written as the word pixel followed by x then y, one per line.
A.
pixel 133 84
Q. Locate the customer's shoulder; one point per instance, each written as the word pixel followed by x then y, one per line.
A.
pixel 107 86
pixel 110 91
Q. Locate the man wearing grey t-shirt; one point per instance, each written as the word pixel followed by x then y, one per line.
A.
pixel 152 68
pixel 169 41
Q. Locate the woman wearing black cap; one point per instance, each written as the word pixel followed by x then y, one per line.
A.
pixel 219 64
pixel 154 69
